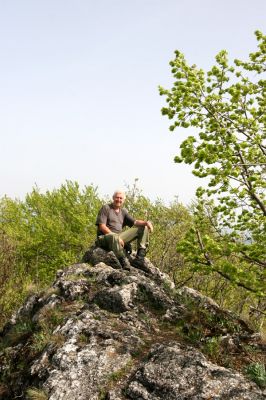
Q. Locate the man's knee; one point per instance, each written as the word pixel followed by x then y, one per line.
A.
pixel 146 229
pixel 112 238
pixel 106 241
pixel 143 230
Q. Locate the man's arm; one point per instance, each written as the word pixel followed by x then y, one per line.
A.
pixel 104 229
pixel 101 220
pixel 140 222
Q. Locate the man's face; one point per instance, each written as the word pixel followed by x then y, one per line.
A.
pixel 118 199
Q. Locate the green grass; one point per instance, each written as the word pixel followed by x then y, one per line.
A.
pixel 36 394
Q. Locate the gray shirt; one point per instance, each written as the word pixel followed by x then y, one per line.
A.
pixel 113 220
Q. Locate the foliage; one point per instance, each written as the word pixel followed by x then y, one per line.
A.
pixel 36 394
pixel 49 318
pixel 170 225
pixel 225 107
pixel 257 373
pixel 18 333
pixel 51 228
pixel 7 257
pixel 136 203
pixel 212 347
pixel 174 249
pixel 42 234
pixel 48 231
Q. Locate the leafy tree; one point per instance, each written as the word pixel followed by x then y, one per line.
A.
pixel 51 229
pixel 136 203
pixel 7 258
pixel 42 234
pixel 175 223
pixel 226 108
pixel 171 223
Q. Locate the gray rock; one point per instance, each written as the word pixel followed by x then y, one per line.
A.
pixel 117 299
pixel 95 255
pixel 117 339
pixel 178 372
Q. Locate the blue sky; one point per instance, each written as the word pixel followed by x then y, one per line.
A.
pixel 79 88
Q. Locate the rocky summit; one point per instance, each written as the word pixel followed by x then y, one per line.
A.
pixel 103 332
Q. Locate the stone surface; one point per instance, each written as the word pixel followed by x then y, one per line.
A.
pixel 101 332
pixel 177 372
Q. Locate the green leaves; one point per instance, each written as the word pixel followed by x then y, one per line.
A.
pixel 257 372
pixel 57 225
pixel 42 234
pixel 226 107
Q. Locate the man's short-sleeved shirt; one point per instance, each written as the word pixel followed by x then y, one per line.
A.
pixel 113 220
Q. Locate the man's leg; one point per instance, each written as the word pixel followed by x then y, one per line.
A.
pixel 140 233
pixel 111 242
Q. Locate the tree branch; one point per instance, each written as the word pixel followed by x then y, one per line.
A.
pixel 211 264
pixel 253 195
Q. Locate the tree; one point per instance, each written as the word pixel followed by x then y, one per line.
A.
pixel 51 229
pixel 41 234
pixel 226 108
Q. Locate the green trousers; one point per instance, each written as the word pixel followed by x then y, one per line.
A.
pixel 110 241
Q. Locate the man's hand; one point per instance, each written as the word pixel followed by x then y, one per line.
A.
pixel 121 241
pixel 140 222
pixel 149 225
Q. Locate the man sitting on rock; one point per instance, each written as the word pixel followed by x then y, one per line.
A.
pixel 111 219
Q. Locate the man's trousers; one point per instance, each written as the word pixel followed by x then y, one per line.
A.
pixel 111 241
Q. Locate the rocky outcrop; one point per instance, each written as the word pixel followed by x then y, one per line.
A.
pixel 174 371
pixel 101 332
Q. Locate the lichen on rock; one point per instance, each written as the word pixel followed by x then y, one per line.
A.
pixel 101 332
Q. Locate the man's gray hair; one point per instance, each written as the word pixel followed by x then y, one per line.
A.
pixel 119 191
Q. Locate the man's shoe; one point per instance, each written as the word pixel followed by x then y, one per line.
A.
pixel 139 260
pixel 140 263
pixel 141 253
pixel 125 264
